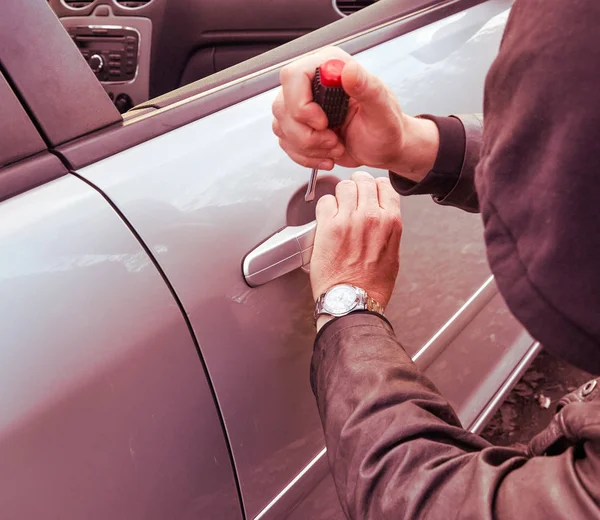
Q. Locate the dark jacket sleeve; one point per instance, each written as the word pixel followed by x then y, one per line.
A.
pixel 397 449
pixel 451 181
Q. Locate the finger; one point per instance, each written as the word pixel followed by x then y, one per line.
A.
pixel 315 153
pixel 327 208
pixel 388 197
pixel 296 84
pixel 367 191
pixel 346 195
pixel 278 106
pixel 303 136
pixel 276 127
pixel 322 163
pixel 365 87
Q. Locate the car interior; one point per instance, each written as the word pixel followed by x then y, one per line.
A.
pixel 141 49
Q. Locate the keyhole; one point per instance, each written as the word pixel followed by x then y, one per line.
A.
pixel 300 212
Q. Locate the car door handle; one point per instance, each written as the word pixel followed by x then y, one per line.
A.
pixel 284 252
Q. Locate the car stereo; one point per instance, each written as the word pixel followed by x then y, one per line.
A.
pixel 111 51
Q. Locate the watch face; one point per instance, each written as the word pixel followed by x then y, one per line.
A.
pixel 340 300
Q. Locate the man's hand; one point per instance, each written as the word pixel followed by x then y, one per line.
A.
pixel 358 238
pixel 376 132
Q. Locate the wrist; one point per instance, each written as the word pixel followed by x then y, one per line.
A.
pixel 343 299
pixel 417 150
pixel 322 320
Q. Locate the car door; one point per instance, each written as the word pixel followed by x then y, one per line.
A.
pixel 199 177
pixel 105 408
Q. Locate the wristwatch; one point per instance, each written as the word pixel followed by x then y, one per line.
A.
pixel 343 299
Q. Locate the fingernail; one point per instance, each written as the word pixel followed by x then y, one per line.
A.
pixel 323 165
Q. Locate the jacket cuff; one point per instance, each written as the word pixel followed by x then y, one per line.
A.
pixel 463 194
pixel 446 171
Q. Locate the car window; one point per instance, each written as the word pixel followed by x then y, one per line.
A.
pixel 141 49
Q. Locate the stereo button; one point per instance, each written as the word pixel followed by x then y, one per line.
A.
pixel 96 63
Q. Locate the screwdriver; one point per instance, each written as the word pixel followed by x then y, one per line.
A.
pixel 328 93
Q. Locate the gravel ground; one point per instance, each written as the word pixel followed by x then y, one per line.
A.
pixel 523 413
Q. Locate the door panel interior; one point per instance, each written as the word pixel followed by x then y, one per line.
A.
pixel 105 410
pixel 230 32
pixel 217 187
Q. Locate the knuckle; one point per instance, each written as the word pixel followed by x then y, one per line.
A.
pixel 395 221
pixel 276 128
pixel 306 141
pixel 371 217
pixel 315 154
pixel 305 161
pixel 286 73
pixel 284 145
pixel 308 152
pixel 338 227
pixel 310 138
pixel 297 112
pixel 380 91
pixel 278 108
pixel 296 157
pixel 327 140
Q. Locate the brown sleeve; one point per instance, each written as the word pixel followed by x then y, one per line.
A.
pixel 397 450
pixel 451 181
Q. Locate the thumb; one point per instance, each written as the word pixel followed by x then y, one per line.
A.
pixel 363 86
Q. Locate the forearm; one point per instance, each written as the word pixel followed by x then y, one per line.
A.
pixel 393 442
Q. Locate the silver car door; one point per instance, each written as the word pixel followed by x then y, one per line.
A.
pixel 201 178
pixel 105 408
pixel 105 411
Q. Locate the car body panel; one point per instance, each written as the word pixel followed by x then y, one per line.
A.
pixel 204 195
pixel 105 410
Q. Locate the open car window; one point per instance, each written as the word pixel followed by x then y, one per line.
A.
pixel 141 50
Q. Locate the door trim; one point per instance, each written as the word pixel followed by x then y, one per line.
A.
pixel 29 173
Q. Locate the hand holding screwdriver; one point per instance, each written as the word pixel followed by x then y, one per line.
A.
pixel 376 133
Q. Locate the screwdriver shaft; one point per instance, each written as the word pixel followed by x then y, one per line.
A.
pixel 312 186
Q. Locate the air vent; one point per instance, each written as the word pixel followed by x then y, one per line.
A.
pixel 133 4
pixel 352 6
pixel 78 4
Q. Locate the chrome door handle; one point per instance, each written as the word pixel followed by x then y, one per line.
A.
pixel 284 252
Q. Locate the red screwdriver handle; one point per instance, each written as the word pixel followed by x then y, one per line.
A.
pixel 328 92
